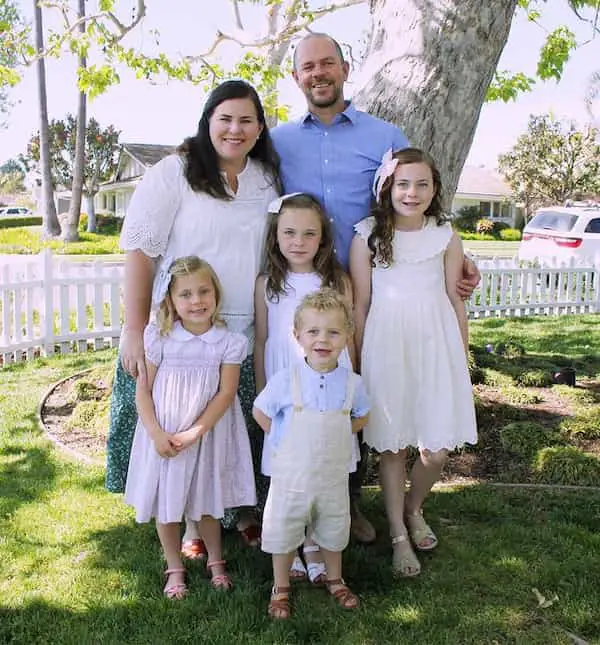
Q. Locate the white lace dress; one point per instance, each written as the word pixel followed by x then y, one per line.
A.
pixel 166 219
pixel 413 360
pixel 216 472
pixel 282 349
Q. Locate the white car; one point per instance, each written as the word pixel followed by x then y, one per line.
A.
pixel 562 234
pixel 14 211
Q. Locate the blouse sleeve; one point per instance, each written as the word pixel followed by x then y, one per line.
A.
pixel 153 206
pixel 236 350
pixel 364 228
pixel 153 344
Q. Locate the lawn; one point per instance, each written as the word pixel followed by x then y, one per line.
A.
pixel 514 566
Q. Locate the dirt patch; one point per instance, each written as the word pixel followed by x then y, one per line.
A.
pixel 487 461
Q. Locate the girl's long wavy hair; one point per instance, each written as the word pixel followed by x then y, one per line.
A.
pixel 188 265
pixel 380 241
pixel 201 160
pixel 324 262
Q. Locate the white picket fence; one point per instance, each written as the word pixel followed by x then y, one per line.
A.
pixel 50 305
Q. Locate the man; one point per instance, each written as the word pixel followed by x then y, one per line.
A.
pixel 333 152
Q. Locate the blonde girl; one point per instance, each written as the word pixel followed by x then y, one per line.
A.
pixel 191 453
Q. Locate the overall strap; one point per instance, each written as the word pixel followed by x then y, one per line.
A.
pixel 296 390
pixel 350 385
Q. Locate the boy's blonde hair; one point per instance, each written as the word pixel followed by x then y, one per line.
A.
pixel 325 299
pixel 184 266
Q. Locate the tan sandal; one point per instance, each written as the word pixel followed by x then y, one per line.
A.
pixel 219 581
pixel 177 591
pixel 404 560
pixel 279 604
pixel 343 596
pixel 420 532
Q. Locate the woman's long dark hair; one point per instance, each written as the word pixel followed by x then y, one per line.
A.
pixel 380 241
pixel 202 162
pixel 325 262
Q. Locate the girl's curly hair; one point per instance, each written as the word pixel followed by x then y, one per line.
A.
pixel 325 263
pixel 381 239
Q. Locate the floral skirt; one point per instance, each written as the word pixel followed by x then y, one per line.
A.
pixel 123 419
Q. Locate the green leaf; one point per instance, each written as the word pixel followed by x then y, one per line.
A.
pixel 555 53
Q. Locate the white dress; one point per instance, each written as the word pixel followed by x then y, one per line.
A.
pixel 216 472
pixel 166 219
pixel 413 359
pixel 281 347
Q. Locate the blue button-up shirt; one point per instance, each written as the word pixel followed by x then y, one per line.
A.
pixel 336 163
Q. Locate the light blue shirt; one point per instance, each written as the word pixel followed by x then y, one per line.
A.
pixel 320 391
pixel 336 163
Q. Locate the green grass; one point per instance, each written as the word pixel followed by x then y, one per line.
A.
pixel 491 248
pixel 75 569
pixel 28 240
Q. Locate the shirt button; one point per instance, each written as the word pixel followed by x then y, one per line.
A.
pixel 331 219
pixel 326 160
pixel 321 386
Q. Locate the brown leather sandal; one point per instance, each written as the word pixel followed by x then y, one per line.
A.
pixel 343 596
pixel 279 604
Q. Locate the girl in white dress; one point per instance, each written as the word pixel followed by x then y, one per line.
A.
pixel 412 339
pixel 191 452
pixel 299 260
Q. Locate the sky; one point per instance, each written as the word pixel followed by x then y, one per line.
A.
pixel 166 112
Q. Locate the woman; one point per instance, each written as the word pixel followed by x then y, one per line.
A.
pixel 209 199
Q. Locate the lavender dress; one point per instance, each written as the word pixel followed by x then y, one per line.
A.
pixel 216 472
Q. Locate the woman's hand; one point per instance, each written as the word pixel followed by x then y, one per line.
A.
pixel 164 444
pixel 131 351
pixel 469 280
pixel 187 438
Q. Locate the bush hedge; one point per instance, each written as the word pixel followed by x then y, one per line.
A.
pixel 13 222
pixel 566 465
pixel 510 235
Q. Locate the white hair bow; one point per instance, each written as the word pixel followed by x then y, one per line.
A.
pixel 162 281
pixel 276 204
pixel 385 170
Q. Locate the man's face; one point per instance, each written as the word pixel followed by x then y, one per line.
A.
pixel 320 73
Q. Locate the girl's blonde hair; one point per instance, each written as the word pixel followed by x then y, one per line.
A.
pixel 188 265
pixel 325 299
pixel 325 263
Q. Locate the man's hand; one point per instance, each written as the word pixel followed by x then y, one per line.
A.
pixel 470 279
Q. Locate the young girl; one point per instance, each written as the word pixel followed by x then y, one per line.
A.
pixel 310 410
pixel 191 453
pixel 299 260
pixel 411 332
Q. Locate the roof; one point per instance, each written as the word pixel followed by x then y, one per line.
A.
pixel 475 180
pixel 147 153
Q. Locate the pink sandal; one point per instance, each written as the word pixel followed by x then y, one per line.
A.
pixel 193 549
pixel 177 591
pixel 219 581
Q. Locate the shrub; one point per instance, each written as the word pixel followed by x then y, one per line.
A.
pixel 566 465
pixel 510 235
pixel 466 218
pixel 484 226
pixel 510 349
pixel 481 237
pixel 520 396
pixel 86 391
pixel 583 426
pixel 534 378
pixel 525 438
pixel 106 224
pixel 14 222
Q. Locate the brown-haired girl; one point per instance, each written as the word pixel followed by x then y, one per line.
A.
pixel 411 332
pixel 191 453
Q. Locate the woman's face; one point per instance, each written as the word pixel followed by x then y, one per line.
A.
pixel 234 129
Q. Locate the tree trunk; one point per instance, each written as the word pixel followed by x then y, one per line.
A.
pixel 72 231
pixel 91 212
pixel 51 227
pixel 427 68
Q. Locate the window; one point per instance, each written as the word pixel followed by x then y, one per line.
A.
pixel 593 226
pixel 485 209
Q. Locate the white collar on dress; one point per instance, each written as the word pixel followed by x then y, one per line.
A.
pixel 213 335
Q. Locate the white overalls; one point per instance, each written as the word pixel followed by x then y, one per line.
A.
pixel 309 481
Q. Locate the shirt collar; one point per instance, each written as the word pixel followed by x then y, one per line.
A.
pixel 213 335
pixel 313 374
pixel 349 113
